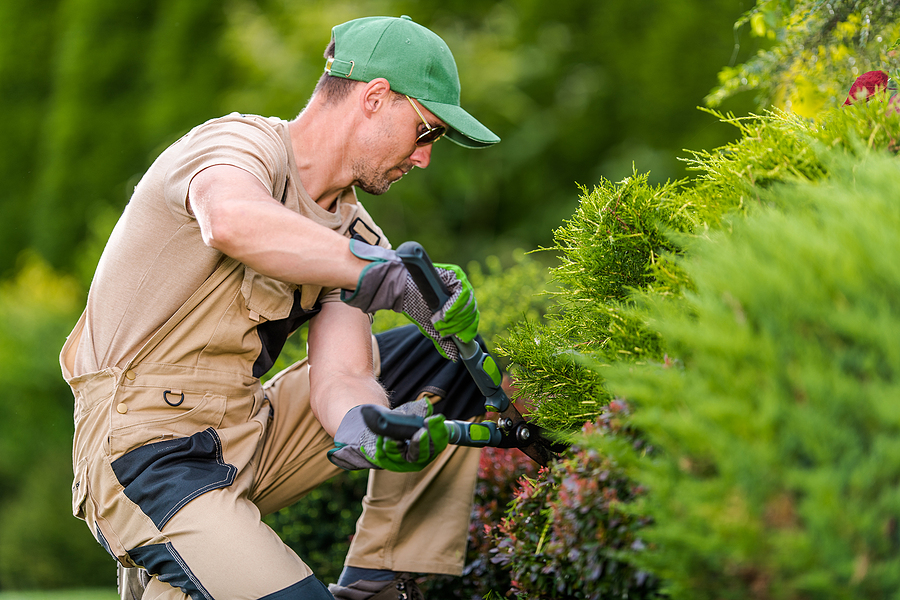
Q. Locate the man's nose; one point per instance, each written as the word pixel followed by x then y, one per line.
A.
pixel 422 156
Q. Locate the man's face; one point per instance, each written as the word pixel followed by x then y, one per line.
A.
pixel 392 150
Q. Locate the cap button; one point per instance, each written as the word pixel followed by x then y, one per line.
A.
pixel 407 17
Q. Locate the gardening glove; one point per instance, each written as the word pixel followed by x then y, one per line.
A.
pixel 386 284
pixel 459 316
pixel 358 447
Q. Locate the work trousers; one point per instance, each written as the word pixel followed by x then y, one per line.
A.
pixel 175 467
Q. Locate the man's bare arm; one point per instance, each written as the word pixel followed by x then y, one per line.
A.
pixel 238 217
pixel 341 372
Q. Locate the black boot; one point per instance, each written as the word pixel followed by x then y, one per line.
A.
pixel 402 587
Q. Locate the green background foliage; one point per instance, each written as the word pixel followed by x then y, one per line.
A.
pixel 583 94
pixel 93 89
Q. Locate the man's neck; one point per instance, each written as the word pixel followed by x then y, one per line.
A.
pixel 321 153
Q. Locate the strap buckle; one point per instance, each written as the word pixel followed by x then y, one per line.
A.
pixel 338 67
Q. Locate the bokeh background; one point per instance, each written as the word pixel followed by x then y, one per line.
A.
pixel 92 90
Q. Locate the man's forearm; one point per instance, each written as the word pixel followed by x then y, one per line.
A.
pixel 332 398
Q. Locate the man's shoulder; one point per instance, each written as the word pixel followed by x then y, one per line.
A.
pixel 242 123
pixel 248 141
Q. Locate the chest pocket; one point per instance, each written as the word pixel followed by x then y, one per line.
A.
pixel 266 297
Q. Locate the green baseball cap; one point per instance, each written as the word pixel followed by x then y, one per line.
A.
pixel 415 61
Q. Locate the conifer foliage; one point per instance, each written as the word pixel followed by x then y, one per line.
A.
pixel 777 446
pixel 749 316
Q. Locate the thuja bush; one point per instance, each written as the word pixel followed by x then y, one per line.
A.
pixel 566 530
pixel 777 442
pixel 625 238
pixel 617 232
pixel 629 241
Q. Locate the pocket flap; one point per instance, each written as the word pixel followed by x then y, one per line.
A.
pixel 267 297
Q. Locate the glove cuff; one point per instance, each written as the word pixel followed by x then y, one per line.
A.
pixel 381 283
pixel 351 435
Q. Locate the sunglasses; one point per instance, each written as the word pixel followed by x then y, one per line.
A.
pixel 431 133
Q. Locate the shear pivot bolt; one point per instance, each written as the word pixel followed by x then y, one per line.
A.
pixel 524 434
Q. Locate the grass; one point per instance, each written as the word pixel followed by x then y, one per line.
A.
pixel 81 594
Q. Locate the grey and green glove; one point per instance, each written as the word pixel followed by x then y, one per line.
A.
pixel 357 447
pixel 386 284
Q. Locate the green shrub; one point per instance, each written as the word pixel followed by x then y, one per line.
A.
pixel 778 441
pixel 624 239
pixel 608 248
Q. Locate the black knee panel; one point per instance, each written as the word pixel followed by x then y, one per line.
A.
pixel 308 589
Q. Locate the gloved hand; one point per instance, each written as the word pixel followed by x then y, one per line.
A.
pixel 386 284
pixel 357 447
pixel 459 316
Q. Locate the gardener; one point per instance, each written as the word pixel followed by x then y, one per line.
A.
pixel 239 233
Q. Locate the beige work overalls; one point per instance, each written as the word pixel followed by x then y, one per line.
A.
pixel 179 454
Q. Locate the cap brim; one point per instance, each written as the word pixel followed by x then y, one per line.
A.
pixel 464 129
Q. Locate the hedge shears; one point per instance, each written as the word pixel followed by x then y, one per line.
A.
pixel 511 430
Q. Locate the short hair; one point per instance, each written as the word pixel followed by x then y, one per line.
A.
pixel 334 89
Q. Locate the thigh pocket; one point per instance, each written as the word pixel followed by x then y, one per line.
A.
pixel 148 415
pixel 164 476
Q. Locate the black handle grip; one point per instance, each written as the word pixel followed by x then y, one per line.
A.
pixel 402 427
pixel 385 422
pixel 424 274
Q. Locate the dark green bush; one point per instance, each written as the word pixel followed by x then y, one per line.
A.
pixel 486 573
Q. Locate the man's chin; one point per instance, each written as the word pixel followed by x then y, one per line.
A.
pixel 379 187
pixel 375 190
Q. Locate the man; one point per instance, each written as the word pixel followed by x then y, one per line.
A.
pixel 238 233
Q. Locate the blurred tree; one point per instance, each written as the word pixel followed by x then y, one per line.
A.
pixel 41 544
pixel 577 91
pixel 108 84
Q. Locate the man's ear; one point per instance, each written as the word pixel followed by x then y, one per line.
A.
pixel 374 95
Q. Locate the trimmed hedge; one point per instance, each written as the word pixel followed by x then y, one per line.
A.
pixel 626 306
pixel 778 440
